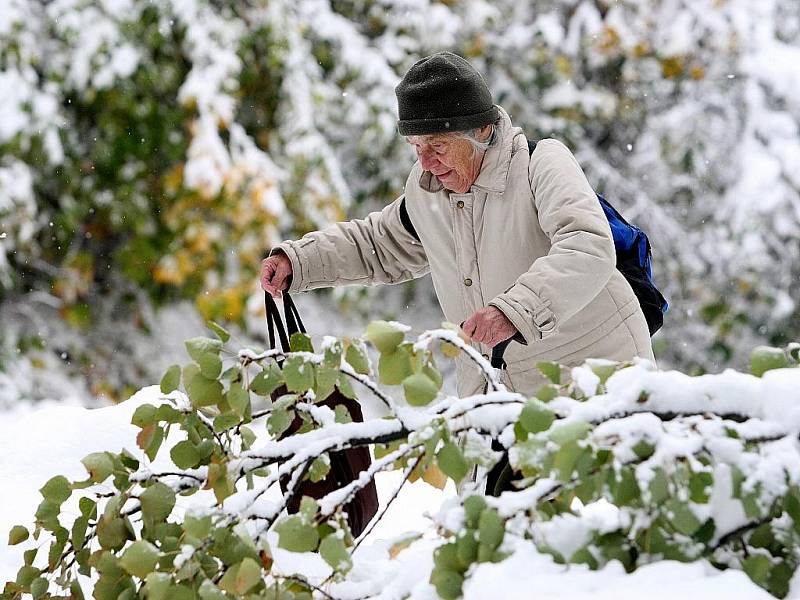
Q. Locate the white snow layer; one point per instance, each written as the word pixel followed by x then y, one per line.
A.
pixel 36 445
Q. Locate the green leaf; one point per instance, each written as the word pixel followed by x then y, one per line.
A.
pixel 157 586
pixel 99 465
pixel 700 486
pixel 357 357
pixel 682 517
pixel 171 379
pixel 602 368
pixel 112 533
pixel 466 548
pixel 57 489
pixel 384 336
pixel 445 557
pixel 198 346
pixel 145 414
pixel 61 537
pixel 279 421
pixel 308 509
pixel 238 399
pixel 208 591
pixel 219 330
pixel 78 535
pixel 394 366
pixel 76 593
pixel 185 455
pixel 26 575
pixel 565 458
pixel 473 507
pixel 419 389
pixel 792 507
pixel 300 342
pixel 448 583
pixel 536 417
pixel 168 413
pixel 88 507
pixel 210 365
pixel 550 370
pixel 17 535
pixel 39 587
pixel 757 567
pixel 140 558
pixel 248 437
pixel 547 392
pixel 326 378
pixel 344 386
pixel 226 421
pixel 659 487
pixel 433 373
pixel 202 391
pixel 567 432
pixel 779 577
pixel 157 502
pixel 452 463
pixel 333 550
pixel 296 536
pixel 320 468
pixel 298 373
pixel 644 449
pixel 765 358
pixel 267 380
pixel 197 527
pixel 491 528
pixel 342 414
pixel 624 487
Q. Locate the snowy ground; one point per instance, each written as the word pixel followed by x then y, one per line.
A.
pixel 36 444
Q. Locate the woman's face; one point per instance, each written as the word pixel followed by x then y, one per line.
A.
pixel 452 159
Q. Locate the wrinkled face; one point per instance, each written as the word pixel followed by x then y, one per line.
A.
pixel 452 159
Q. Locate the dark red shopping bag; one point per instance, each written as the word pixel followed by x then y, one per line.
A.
pixel 346 465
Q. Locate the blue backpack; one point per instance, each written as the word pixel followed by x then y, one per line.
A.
pixel 634 261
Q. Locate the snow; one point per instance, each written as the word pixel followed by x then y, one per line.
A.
pixel 53 439
pixel 541 578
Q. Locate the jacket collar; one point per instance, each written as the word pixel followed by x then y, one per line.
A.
pixel 496 162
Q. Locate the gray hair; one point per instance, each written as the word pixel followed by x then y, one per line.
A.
pixel 471 136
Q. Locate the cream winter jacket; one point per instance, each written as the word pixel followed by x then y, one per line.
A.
pixel 529 238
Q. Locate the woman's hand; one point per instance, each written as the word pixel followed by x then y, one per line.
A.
pixel 275 273
pixel 489 326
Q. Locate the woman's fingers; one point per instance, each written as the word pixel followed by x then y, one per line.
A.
pixel 275 272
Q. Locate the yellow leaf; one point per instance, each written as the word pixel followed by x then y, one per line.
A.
pixel 402 544
pixel 449 350
pixel 434 476
pixel 672 67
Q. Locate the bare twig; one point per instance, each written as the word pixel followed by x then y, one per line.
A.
pixel 377 519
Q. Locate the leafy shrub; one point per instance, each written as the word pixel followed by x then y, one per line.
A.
pixel 689 468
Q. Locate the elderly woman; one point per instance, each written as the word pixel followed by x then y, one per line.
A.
pixel 516 243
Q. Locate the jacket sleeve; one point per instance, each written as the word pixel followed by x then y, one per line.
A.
pixel 582 257
pixel 375 249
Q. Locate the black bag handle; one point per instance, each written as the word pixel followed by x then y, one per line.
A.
pixel 292 317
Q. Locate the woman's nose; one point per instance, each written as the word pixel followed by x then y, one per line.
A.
pixel 427 160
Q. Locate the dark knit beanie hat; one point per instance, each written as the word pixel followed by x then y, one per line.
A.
pixel 443 92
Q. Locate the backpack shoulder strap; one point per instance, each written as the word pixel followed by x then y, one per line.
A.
pixel 406 220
